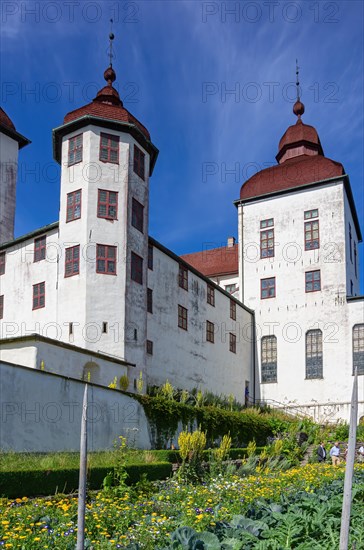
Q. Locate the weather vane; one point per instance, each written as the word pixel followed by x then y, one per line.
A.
pixel 297 81
pixel 111 38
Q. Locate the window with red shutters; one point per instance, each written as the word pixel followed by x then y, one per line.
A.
pixel 149 300
pixel 2 306
pixel 72 261
pixel 73 205
pixel 106 259
pixel 139 162
pixel 137 215
pixel 75 150
pixel 183 277
pixel 149 347
pixel 232 310
pixel 313 281
pixel 136 268
pixel 182 317
pixel 210 295
pixel 109 148
pixel 232 342
pixel 107 204
pixel 2 262
pixel 40 248
pixel 210 332
pixel 268 288
pixel 312 237
pixel 39 295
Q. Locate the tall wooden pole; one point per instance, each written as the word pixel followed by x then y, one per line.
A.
pixel 345 516
pixel 82 479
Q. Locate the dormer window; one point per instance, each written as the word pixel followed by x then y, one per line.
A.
pixel 75 150
pixel 139 162
pixel 109 148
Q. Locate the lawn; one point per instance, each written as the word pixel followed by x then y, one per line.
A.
pixel 239 510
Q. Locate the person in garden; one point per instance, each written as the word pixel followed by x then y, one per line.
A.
pixel 321 452
pixel 361 453
pixel 335 454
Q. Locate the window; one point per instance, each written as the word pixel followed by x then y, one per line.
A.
pixel 139 157
pixel 313 280
pixel 150 257
pixel 355 260
pixel 109 148
pixel 104 327
pixel 149 300
pixel 233 310
pixel 309 214
pixel 358 348
pixel 314 354
pixel 267 238
pixel 136 268
pixel 312 239
pixel 73 205
pixel 75 150
pixel 149 347
pixel 137 213
pixel 269 358
pixel 210 295
pixel 183 277
pixel 182 317
pixel 1 306
pixel 230 288
pixel 107 204
pixel 106 259
pixel 40 248
pixel 39 295
pixel 210 332
pixel 268 288
pixel 350 244
pixel 72 262
pixel 266 223
pixel 232 342
pixel 2 262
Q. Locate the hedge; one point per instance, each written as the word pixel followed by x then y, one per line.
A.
pixel 32 483
pixel 164 416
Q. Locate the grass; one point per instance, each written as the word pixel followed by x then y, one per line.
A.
pixel 11 461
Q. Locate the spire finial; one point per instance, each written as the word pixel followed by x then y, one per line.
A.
pixel 298 107
pixel 297 81
pixel 111 38
pixel 109 74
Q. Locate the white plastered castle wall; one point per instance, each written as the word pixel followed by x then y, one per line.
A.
pixel 8 174
pixel 293 311
pixel 185 358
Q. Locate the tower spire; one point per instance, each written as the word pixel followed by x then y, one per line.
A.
pixel 111 38
pixel 109 74
pixel 298 107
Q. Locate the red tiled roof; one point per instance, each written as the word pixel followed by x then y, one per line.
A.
pixel 108 111
pixel 216 261
pixel 5 120
pixel 299 132
pixel 294 172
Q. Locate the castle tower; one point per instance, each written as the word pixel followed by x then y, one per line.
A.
pixel 107 157
pixel 299 270
pixel 10 143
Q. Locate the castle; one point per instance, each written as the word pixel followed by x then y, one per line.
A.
pixel 274 318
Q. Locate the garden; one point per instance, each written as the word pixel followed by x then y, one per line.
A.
pixel 214 497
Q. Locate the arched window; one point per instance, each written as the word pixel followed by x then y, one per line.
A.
pixel 314 354
pixel 269 358
pixel 358 348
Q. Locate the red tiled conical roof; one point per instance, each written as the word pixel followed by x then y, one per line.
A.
pixel 5 120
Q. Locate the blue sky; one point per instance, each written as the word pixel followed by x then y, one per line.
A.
pixel 175 63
